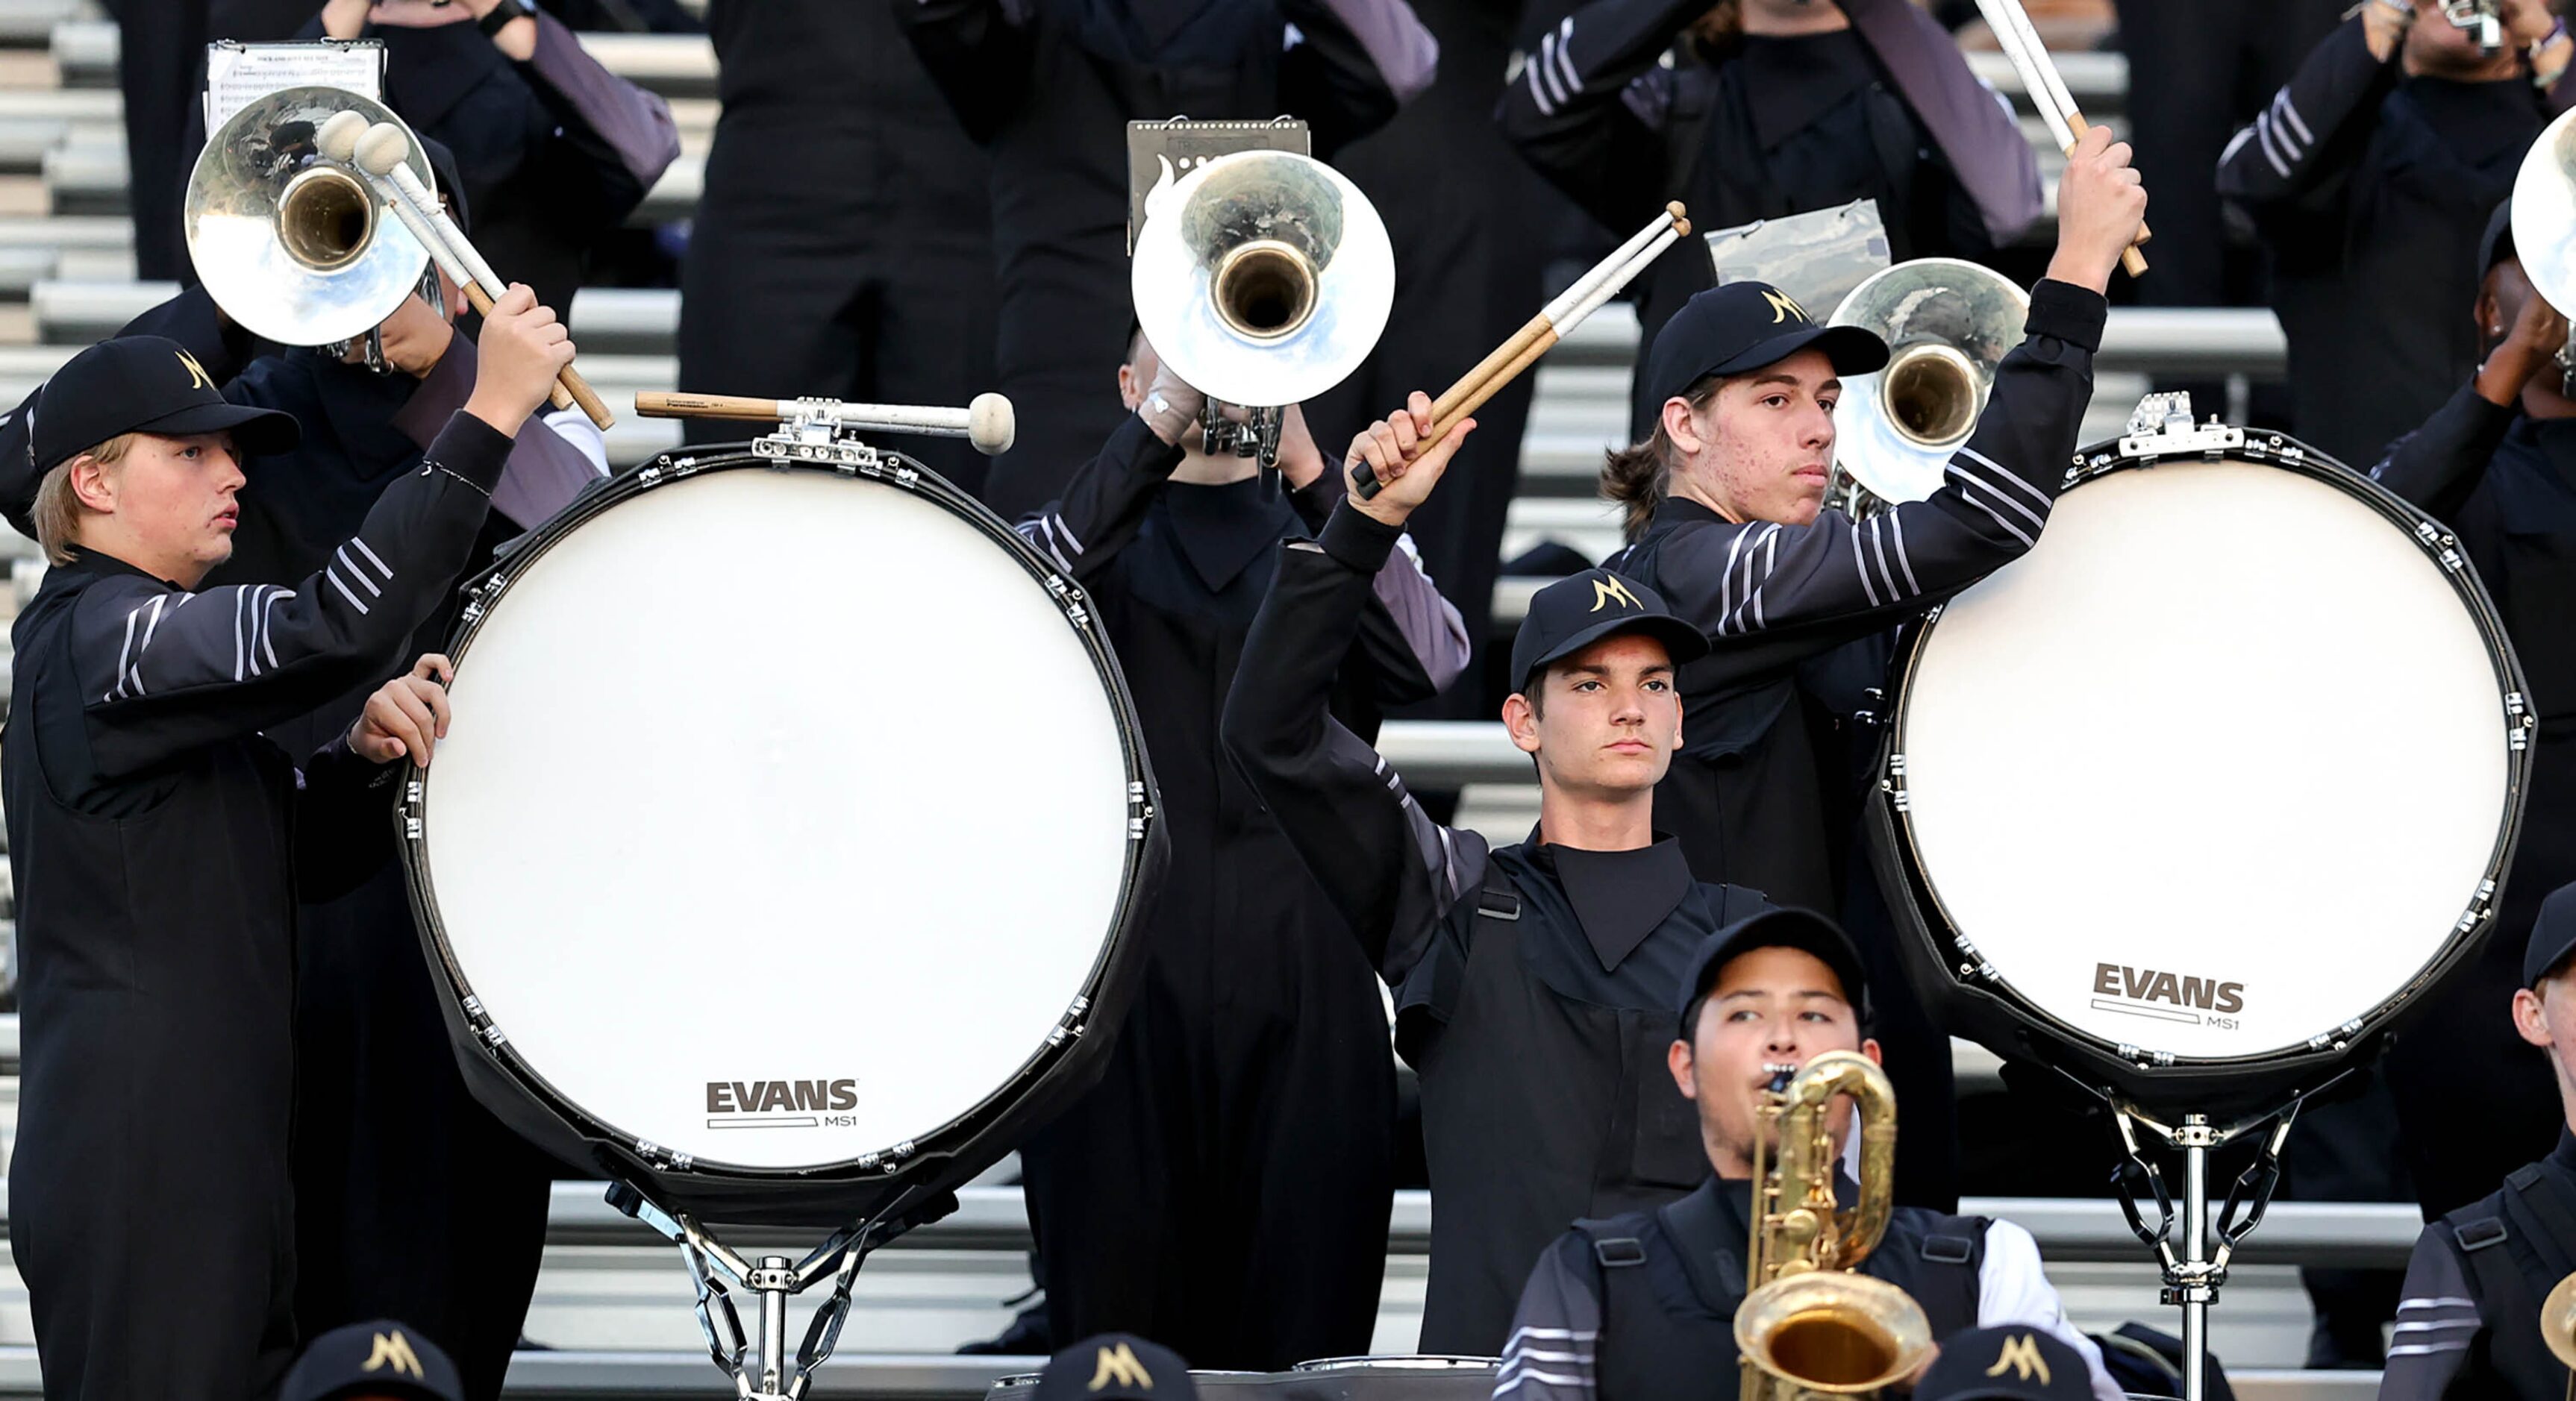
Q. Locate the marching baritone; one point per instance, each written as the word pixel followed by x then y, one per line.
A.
pixel 1532 981
pixel 1225 1188
pixel 155 836
pixel 1642 1306
pixel 2472 1320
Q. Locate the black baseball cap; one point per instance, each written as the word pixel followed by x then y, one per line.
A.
pixel 2553 937
pixel 2020 1363
pixel 2496 244
pixel 1581 609
pixel 1741 327
pixel 145 384
pixel 383 1358
pixel 1116 1365
pixel 1777 928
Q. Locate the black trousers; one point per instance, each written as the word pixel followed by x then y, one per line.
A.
pixel 2198 70
pixel 887 300
pixel 161 47
pixel 1225 1189
pixel 412 1202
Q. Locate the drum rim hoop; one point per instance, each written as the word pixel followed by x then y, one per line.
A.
pixel 2264 449
pixel 896 471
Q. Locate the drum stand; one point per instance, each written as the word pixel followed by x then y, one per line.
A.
pixel 2193 1277
pixel 767 1375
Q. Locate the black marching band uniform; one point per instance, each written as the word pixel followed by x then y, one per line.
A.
pixel 873 285
pixel 1885 110
pixel 412 1201
pixel 1641 1306
pixel 1761 791
pixel 1048 87
pixel 1532 982
pixel 2471 1322
pixel 155 836
pixel 1226 1188
pixel 2505 483
pixel 2369 187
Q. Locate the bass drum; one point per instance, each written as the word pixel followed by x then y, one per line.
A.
pixel 2197 797
pixel 782 855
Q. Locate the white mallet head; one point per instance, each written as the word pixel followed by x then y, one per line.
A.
pixel 337 139
pixel 990 424
pixel 382 149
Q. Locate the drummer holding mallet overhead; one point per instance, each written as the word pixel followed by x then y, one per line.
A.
pixel 152 832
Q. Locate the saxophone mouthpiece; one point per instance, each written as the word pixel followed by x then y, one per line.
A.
pixel 1781 1074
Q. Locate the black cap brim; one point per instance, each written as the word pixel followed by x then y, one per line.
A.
pixel 1687 644
pixel 256 432
pixel 1853 351
pixel 1780 928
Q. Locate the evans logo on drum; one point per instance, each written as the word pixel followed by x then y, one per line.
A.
pixel 2135 991
pixel 780 1104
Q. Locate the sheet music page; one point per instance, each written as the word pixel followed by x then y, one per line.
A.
pixel 240 74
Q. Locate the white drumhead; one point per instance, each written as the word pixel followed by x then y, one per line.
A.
pixel 780 786
pixel 2216 768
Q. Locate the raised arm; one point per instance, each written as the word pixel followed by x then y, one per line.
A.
pixel 165 671
pixel 1414 638
pixel 1390 870
pixel 626 133
pixel 1105 500
pixel 1350 64
pixel 2299 150
pixel 2438 466
pixel 1588 109
pixel 544 472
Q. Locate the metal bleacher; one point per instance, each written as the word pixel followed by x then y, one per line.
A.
pixel 613 1303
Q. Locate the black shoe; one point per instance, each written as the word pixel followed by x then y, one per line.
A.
pixel 1026 1337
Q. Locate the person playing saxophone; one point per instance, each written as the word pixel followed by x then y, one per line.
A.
pixel 1641 1307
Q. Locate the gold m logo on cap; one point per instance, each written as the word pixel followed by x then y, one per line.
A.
pixel 2021 1353
pixel 199 379
pixel 1783 306
pixel 1610 587
pixel 392 1349
pixel 1118 1364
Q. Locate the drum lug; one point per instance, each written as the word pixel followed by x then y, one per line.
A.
pixel 2519 722
pixel 1894 784
pixel 2440 544
pixel 2480 906
pixel 485 1029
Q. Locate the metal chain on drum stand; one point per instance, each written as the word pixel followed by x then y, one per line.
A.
pixel 2192 1278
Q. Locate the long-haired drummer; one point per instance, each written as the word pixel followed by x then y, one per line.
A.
pixel 1532 981
pixel 155 834
pixel 1726 518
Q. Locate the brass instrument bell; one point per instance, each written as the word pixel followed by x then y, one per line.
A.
pixel 1948 324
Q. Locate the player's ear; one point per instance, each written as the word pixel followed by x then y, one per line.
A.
pixel 1678 1059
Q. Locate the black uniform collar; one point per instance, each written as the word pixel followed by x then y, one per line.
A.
pixel 93 563
pixel 2564 1155
pixel 1619 896
pixel 1794 81
pixel 1222 529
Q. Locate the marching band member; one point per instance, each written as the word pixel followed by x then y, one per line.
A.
pixel 1726 516
pixel 2368 177
pixel 154 835
pixel 2470 1323
pixel 1532 981
pixel 1225 1188
pixel 1776 107
pixel 1641 1306
pixel 2493 465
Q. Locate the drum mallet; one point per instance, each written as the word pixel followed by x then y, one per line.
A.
pixel 1541 333
pixel 987 422
pixel 2020 42
pixel 380 152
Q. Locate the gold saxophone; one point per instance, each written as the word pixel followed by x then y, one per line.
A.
pixel 1808 1327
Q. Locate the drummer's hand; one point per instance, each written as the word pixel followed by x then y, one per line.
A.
pixel 1171 405
pixel 406 715
pixel 520 351
pixel 1381 448
pixel 1300 460
pixel 2100 204
pixel 2531 348
pixel 342 19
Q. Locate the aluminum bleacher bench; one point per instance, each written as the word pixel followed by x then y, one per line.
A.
pixel 87 175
